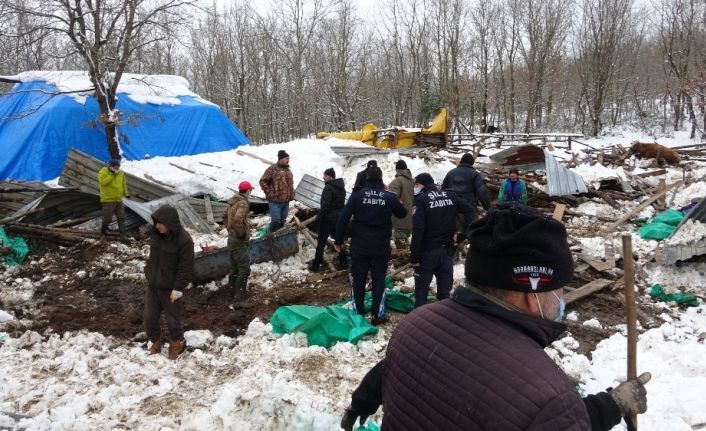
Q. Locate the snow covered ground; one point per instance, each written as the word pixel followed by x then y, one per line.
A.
pixel 263 381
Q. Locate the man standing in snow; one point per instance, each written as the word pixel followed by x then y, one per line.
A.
pixel 371 208
pixel 237 222
pixel 112 186
pixel 333 197
pixel 403 187
pixel 169 271
pixel 513 189
pixel 361 177
pixel 433 237
pixel 278 184
pixel 468 184
pixel 477 359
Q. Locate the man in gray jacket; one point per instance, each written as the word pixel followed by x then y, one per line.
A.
pixel 403 187
pixel 476 361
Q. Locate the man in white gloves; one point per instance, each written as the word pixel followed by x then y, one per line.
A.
pixel 169 270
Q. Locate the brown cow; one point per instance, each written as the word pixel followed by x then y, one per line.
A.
pixel 655 151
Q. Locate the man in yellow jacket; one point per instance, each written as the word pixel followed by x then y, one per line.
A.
pixel 113 188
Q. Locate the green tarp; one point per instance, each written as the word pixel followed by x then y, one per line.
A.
pixel 323 326
pixel 662 226
pixel 18 249
pixel 684 298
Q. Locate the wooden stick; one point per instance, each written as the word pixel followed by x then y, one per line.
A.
pixel 153 179
pixel 642 206
pixel 245 153
pixel 631 306
pixel 307 234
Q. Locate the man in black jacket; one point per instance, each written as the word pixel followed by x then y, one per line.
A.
pixel 468 184
pixel 476 361
pixel 372 208
pixel 169 270
pixel 333 197
pixel 433 242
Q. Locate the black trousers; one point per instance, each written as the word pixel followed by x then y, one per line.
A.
pixel 156 301
pixel 376 264
pixel 435 262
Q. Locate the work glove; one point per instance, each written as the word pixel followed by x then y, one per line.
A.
pixel 174 295
pixel 349 417
pixel 631 396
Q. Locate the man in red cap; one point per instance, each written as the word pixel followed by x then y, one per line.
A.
pixel 236 220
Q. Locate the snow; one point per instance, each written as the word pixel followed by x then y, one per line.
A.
pixel 260 380
pixel 154 89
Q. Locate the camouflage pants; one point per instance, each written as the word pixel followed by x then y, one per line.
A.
pixel 239 263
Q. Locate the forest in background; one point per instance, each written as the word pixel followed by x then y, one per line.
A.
pixel 299 66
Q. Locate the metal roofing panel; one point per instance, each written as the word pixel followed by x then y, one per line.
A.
pixel 675 252
pixel 187 216
pixel 560 180
pixel 309 190
pixel 365 151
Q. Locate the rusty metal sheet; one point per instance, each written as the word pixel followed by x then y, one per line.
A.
pixel 216 265
pixel 309 190
pixel 561 181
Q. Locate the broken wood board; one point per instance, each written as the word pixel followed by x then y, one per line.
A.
pixel 587 289
pixel 253 156
pixel 596 263
pixel 559 211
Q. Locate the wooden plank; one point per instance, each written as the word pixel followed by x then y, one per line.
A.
pixel 597 264
pixel 642 206
pixel 209 209
pixel 587 289
pixel 245 153
pixel 559 211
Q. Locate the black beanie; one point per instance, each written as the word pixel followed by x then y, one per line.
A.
pixel 371 163
pixel 424 179
pixel 330 172
pixel 400 164
pixel 373 174
pixel 515 247
pixel 467 159
pixel 281 154
pixel 113 163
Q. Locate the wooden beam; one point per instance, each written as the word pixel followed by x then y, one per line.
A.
pixel 587 289
pixel 559 211
pixel 209 209
pixel 596 263
pixel 642 206
pixel 245 153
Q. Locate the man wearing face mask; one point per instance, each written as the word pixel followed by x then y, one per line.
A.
pixel 478 358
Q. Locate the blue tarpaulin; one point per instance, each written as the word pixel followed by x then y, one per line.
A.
pixel 39 126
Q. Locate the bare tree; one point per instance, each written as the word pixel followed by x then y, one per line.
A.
pixel 105 34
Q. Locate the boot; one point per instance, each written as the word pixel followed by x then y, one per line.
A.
pixel 315 265
pixel 176 347
pixel 122 230
pixel 156 347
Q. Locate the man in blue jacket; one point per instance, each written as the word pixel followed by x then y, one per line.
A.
pixel 372 208
pixel 433 237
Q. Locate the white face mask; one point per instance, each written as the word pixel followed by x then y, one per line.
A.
pixel 417 190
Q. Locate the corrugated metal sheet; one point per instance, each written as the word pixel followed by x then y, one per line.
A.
pixel 675 252
pixel 560 180
pixel 61 204
pixel 367 151
pixel 81 172
pixel 309 190
pixel 187 216
pixel 21 194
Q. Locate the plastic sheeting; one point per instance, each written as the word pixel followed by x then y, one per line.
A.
pixel 323 326
pixel 38 127
pixel 18 249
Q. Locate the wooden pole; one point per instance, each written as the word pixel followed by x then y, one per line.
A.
pixel 631 306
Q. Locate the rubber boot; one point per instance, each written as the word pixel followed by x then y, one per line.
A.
pixel 315 265
pixel 156 347
pixel 122 230
pixel 176 347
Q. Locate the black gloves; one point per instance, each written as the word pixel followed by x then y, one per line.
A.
pixel 631 396
pixel 349 418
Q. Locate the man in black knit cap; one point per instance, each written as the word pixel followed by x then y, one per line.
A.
pixel 476 361
pixel 361 177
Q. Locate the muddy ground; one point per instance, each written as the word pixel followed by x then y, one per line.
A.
pixel 98 287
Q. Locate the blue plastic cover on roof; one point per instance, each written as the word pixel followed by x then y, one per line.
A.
pixel 38 128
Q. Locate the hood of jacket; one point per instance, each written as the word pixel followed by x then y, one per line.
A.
pixel 168 216
pixel 404 173
pixel 337 183
pixel 237 197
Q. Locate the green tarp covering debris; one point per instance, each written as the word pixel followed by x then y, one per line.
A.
pixel 18 249
pixel 323 326
pixel 684 298
pixel 369 426
pixel 662 226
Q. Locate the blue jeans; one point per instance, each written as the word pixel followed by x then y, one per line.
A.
pixel 278 214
